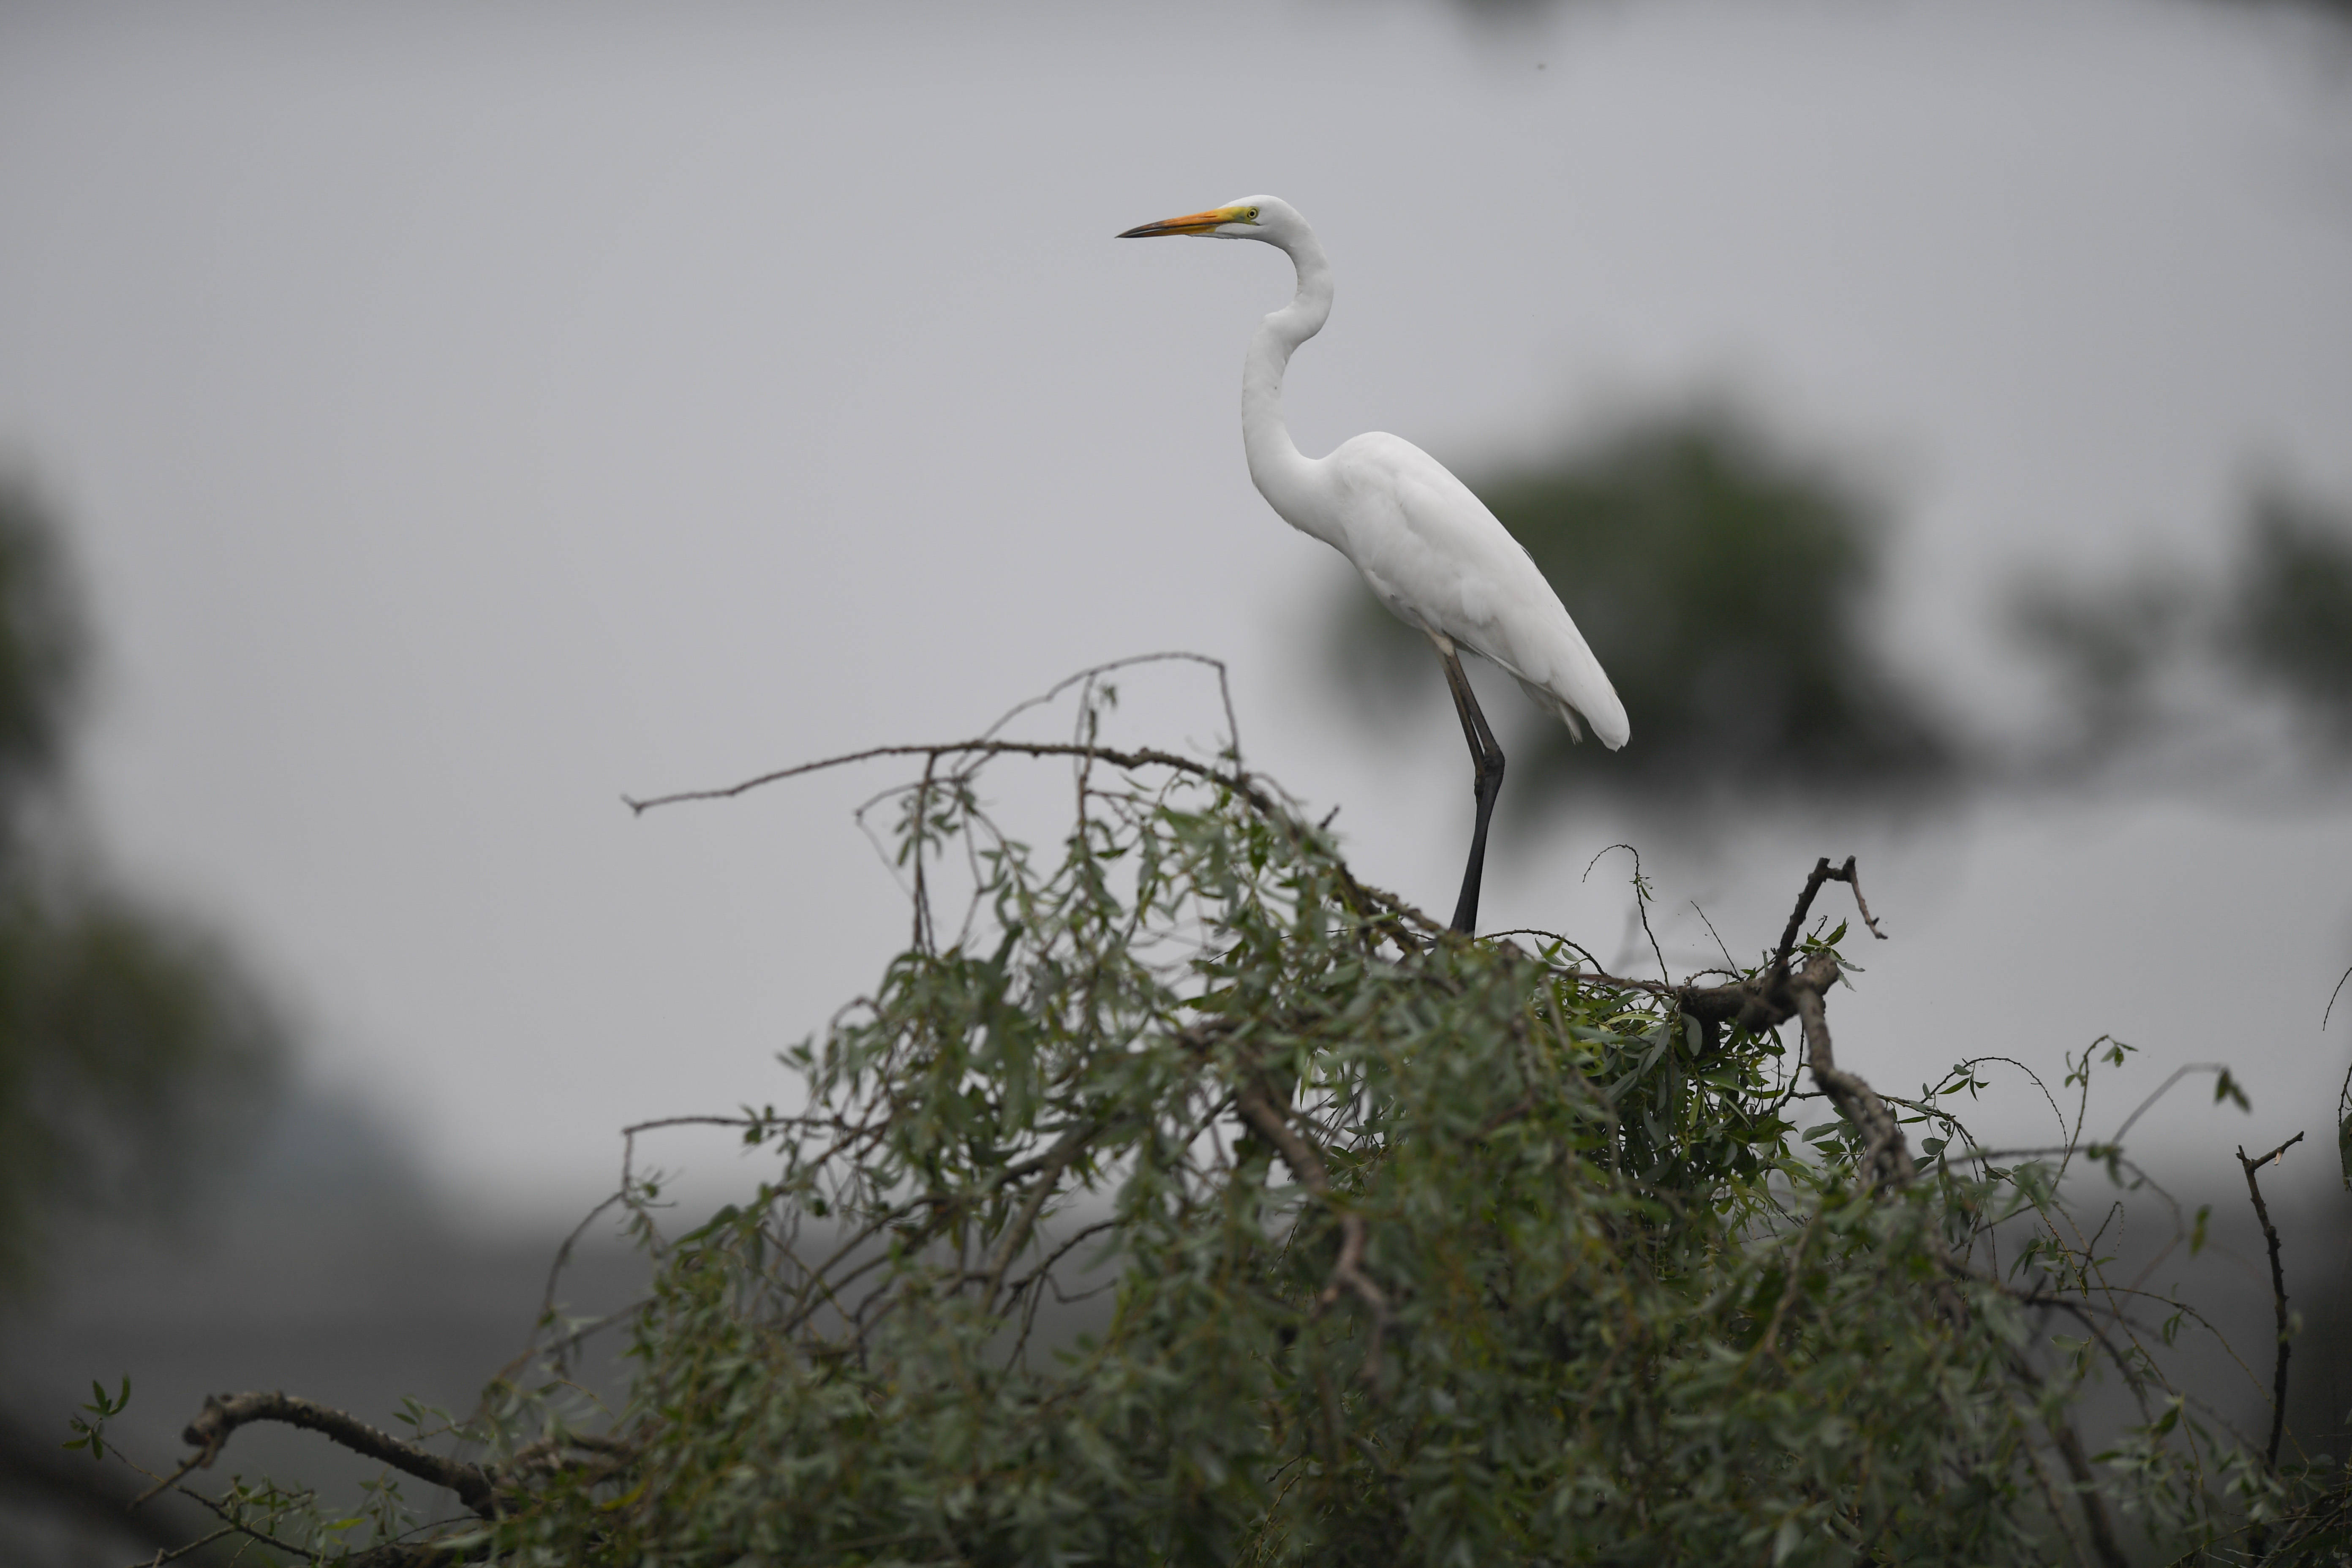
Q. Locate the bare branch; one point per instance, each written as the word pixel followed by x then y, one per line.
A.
pixel 1142 757
pixel 172 1554
pixel 1885 1156
pixel 1372 903
pixel 1086 677
pixel 224 1414
pixel 1823 872
pixel 2161 1090
pixel 2278 1293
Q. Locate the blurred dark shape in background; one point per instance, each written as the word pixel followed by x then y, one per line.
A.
pixel 326 1264
pixel 2255 659
pixel 1728 584
pixel 42 657
pixel 132 1048
pixel 132 1054
pixel 2288 623
pixel 168 1211
pixel 136 1056
pixel 2105 648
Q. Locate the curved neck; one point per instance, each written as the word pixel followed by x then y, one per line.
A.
pixel 1281 474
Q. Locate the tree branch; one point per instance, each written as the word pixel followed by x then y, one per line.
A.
pixel 1347 1275
pixel 1771 998
pixel 1241 784
pixel 1380 909
pixel 224 1414
pixel 1823 872
pixel 2278 1293
pixel 1885 1156
pixel 1016 1235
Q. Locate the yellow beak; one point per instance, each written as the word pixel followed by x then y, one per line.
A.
pixel 1191 223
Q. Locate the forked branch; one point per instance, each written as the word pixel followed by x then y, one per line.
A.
pixel 2278 1289
pixel 1823 872
pixel 1777 993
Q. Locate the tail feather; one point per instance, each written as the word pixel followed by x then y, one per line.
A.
pixel 1551 702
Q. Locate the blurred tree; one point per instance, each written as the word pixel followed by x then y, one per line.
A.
pixel 42 648
pixel 127 1038
pixel 132 1048
pixel 1726 585
pixel 2106 647
pixel 2288 622
pixel 2163 650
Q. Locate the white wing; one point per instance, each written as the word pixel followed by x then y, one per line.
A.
pixel 1439 560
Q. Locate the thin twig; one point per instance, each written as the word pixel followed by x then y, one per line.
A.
pixel 163 1555
pixel 2161 1090
pixel 2278 1293
pixel 1383 909
pixel 1139 757
pixel 1641 905
pixel 1719 947
pixel 255 1533
pixel 1598 969
pixel 1224 689
pixel 166 1483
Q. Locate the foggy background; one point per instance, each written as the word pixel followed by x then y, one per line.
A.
pixel 463 415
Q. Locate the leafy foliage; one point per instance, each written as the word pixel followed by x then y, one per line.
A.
pixel 1402 1247
pixel 1726 585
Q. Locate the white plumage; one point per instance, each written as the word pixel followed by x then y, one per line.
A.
pixel 1429 549
pixel 1440 561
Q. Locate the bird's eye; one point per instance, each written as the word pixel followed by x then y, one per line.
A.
pixel 1252 214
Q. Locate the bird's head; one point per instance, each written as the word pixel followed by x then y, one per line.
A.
pixel 1267 219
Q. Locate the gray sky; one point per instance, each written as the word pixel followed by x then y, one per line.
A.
pixel 472 413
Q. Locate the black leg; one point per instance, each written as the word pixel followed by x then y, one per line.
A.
pixel 1487 780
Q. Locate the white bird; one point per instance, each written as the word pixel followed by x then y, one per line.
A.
pixel 1428 548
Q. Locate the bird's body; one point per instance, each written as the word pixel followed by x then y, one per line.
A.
pixel 1427 547
pixel 1432 553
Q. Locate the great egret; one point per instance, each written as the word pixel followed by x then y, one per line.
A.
pixel 1428 548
